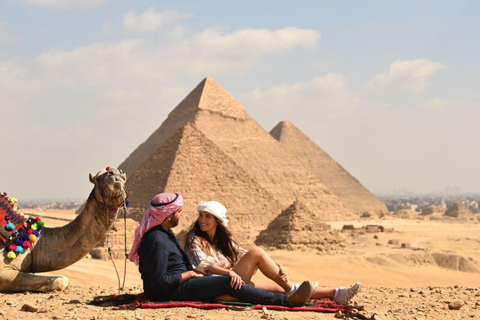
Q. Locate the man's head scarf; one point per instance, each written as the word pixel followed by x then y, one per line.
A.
pixel 161 206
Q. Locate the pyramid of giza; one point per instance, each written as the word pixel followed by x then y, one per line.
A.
pixel 244 144
pixel 297 228
pixel 348 189
pixel 190 164
pixel 459 211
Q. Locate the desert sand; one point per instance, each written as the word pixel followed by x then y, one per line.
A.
pixel 417 282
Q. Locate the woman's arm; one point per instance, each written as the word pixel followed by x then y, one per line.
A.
pixel 206 264
pixel 235 280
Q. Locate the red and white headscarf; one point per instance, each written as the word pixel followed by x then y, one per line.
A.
pixel 161 206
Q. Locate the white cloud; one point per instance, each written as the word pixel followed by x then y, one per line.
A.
pixel 255 41
pixel 437 104
pixel 64 4
pixel 7 36
pixel 324 97
pixel 152 20
pixel 407 75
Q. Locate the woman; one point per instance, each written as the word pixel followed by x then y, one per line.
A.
pixel 212 250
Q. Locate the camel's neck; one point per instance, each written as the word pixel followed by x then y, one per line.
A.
pixel 58 248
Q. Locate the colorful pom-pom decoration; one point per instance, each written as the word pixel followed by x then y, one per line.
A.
pixel 108 168
pixel 127 202
pixel 19 231
pixel 32 238
pixel 10 226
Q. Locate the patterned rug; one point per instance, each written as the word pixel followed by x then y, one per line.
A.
pixel 134 301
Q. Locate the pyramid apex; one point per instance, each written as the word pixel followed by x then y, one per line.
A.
pixel 217 100
pixel 277 131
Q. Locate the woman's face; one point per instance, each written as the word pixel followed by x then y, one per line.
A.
pixel 207 221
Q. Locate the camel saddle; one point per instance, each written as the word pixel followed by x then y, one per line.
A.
pixel 7 209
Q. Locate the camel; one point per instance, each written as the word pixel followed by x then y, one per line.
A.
pixel 60 247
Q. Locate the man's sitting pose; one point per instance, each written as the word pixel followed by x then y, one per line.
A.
pixel 166 271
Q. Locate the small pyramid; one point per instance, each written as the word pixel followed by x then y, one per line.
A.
pixel 459 211
pixel 223 121
pixel 190 164
pixel 348 189
pixel 297 228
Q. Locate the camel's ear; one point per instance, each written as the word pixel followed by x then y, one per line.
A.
pixel 124 176
pixel 92 178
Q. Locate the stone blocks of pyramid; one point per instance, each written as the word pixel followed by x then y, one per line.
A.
pixel 208 148
pixel 190 164
pixel 348 189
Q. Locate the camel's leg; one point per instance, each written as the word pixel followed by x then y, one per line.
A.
pixel 16 281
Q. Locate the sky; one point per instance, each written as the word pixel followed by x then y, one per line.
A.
pixel 390 89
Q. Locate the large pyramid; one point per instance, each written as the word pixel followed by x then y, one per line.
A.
pixel 297 228
pixel 243 143
pixel 350 191
pixel 190 164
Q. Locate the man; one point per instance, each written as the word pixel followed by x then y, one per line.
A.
pixel 166 272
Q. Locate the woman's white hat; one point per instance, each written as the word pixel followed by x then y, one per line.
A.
pixel 215 208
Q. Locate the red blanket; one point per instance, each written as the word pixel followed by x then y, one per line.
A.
pixel 133 301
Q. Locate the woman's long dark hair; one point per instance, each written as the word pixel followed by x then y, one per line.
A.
pixel 222 240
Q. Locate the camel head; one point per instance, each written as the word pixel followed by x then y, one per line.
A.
pixel 109 188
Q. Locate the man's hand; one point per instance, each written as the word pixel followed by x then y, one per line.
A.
pixel 235 280
pixel 190 274
pixel 195 274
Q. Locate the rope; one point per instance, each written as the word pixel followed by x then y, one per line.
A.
pixel 110 253
pixel 125 243
pixel 121 288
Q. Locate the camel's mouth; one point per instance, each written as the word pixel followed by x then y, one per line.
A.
pixel 111 185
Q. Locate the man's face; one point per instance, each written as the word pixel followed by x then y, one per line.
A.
pixel 176 218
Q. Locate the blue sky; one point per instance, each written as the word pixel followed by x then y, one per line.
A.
pixel 389 89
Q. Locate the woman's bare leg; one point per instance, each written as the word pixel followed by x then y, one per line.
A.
pixel 258 257
pixel 323 292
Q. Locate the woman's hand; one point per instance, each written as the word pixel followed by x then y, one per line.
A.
pixel 235 280
pixel 282 273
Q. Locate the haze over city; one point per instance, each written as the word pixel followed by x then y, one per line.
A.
pixel 389 90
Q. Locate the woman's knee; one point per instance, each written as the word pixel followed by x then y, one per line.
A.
pixel 256 251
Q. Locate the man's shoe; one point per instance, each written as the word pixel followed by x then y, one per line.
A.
pixel 300 296
pixel 344 294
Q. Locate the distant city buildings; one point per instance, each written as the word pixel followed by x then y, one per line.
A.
pixel 419 202
pixel 50 204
